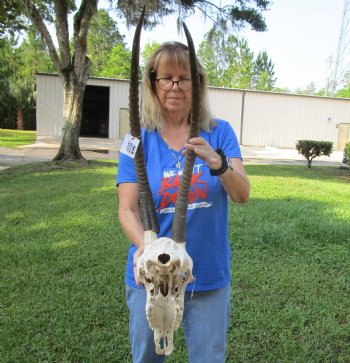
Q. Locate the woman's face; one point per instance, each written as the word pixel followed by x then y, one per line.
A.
pixel 174 101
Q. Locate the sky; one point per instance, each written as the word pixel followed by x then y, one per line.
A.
pixel 301 40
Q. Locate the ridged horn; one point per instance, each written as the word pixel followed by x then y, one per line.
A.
pixel 148 212
pixel 181 205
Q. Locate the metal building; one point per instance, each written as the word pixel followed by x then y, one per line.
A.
pixel 259 118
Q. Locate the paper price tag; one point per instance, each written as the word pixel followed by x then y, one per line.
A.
pixel 129 146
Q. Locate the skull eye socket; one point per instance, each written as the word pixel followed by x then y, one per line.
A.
pixel 164 258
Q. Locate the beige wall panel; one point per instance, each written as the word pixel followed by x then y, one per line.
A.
pixel 49 111
pixel 280 120
pixel 50 103
pixel 124 124
pixel 119 99
pixel 267 119
pixel 227 105
pixel 343 135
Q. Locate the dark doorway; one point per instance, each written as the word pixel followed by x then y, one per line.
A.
pixel 95 116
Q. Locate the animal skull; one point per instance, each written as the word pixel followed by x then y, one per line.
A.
pixel 165 269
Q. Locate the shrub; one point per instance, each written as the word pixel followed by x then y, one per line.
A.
pixel 347 154
pixel 310 149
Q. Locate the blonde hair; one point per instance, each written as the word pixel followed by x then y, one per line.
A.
pixel 170 53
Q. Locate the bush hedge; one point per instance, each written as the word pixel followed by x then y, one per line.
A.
pixel 311 149
pixel 347 153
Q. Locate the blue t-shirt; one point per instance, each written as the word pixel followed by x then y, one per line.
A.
pixel 207 217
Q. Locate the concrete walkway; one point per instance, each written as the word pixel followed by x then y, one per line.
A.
pixel 45 149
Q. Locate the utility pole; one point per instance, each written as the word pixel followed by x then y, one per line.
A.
pixel 329 75
pixel 342 61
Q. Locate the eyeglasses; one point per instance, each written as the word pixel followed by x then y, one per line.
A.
pixel 166 84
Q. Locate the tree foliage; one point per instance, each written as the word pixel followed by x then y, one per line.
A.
pixel 103 37
pixel 19 61
pixel 11 18
pixel 70 58
pixel 7 55
pixel 118 63
pixel 231 63
pixel 347 154
pixel 23 95
pixel 34 56
pixel 264 73
pixel 72 65
pixel 242 66
pixel 344 93
pixel 213 56
pixel 311 149
pixel 107 49
pixel 148 51
pixel 235 15
pixel 310 90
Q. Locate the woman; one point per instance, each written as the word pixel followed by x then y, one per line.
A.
pixel 218 172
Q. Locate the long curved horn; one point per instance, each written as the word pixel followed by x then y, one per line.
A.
pixel 181 205
pixel 148 212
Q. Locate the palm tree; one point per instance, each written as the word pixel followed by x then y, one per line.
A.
pixel 24 97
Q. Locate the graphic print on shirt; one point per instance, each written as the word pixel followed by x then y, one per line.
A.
pixel 170 185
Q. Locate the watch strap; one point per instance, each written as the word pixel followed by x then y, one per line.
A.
pixel 224 165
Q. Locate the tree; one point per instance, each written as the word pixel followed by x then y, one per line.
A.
pixel 213 53
pixel 238 14
pixel 73 66
pixel 34 57
pixel 19 61
pixel 23 94
pixel 311 149
pixel 343 90
pixel 281 90
pixel 230 63
pixel 346 157
pixel 344 93
pixel 17 64
pixel 11 18
pixel 103 37
pixel 73 69
pixel 7 56
pixel 118 63
pixel 147 52
pixel 264 79
pixel 242 66
pixel 310 90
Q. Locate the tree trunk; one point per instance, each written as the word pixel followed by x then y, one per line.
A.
pixel 72 111
pixel 73 70
pixel 19 118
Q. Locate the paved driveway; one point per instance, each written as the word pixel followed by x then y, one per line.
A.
pixel 45 149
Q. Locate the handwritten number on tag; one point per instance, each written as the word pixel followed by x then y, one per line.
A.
pixel 129 146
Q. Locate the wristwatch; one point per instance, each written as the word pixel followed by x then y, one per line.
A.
pixel 226 164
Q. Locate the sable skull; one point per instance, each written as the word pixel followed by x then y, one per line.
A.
pixel 165 268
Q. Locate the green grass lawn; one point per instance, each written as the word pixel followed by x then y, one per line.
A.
pixel 63 253
pixel 15 138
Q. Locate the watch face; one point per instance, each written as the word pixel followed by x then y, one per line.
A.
pixel 229 164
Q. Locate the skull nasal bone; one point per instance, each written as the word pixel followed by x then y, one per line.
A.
pixel 164 258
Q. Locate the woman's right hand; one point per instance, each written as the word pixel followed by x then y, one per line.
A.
pixel 136 256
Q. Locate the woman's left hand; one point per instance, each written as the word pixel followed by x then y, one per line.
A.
pixel 204 151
